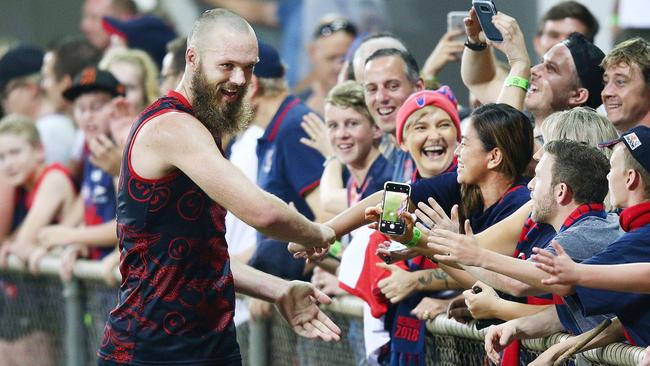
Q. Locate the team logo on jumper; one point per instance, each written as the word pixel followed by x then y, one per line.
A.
pixel 173 323
pixel 190 205
pixel 632 140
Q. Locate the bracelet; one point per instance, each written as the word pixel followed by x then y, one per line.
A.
pixel 475 46
pixel 518 82
pixel 336 249
pixel 329 159
pixel 415 238
pixel 431 82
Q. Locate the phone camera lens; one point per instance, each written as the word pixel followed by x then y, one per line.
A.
pixel 484 8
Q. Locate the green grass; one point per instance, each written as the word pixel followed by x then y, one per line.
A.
pixel 392 205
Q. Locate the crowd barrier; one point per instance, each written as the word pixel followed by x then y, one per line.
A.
pixel 69 318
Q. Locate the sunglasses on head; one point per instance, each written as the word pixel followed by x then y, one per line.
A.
pixel 337 25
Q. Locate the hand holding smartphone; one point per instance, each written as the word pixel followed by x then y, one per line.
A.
pixel 456 22
pixel 396 200
pixel 485 10
pixel 484 323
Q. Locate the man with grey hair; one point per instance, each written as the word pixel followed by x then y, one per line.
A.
pixel 368 46
pixel 176 299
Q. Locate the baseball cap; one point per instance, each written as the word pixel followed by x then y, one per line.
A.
pixel 637 140
pixel 92 79
pixel 22 60
pixel 147 33
pixel 587 58
pixel 442 98
pixel 269 66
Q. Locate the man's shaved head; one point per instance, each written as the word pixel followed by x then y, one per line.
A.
pixel 212 18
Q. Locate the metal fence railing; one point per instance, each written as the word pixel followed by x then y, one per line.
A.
pixel 64 322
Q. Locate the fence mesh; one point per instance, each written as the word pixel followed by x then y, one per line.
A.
pixel 31 320
pixel 33 323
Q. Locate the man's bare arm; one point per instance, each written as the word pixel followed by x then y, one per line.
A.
pixel 313 199
pixel 179 140
pixel 333 194
pixel 513 276
pixel 477 68
pixel 564 271
pixel 542 324
pixel 354 217
pixel 6 210
pixel 297 301
pixel 503 236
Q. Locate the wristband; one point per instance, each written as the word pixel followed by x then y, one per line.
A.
pixel 415 238
pixel 335 249
pixel 518 82
pixel 329 159
pixel 475 46
pixel 431 82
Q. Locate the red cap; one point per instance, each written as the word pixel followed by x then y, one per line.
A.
pixel 442 98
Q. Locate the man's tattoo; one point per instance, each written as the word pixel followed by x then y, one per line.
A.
pixel 428 278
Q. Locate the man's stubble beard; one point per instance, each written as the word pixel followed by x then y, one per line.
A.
pixel 545 209
pixel 217 116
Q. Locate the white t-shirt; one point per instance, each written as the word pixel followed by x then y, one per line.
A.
pixel 57 134
pixel 239 235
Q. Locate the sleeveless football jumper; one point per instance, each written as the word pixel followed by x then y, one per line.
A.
pixel 176 300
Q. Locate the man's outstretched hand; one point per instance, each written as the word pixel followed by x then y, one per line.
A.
pixel 299 306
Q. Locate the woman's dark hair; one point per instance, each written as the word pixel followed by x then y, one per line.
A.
pixel 499 126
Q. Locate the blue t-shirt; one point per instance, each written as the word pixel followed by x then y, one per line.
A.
pixel 379 173
pixel 445 189
pixel 100 201
pixel 288 169
pixel 633 309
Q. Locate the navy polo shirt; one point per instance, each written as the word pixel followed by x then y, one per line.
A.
pixel 288 169
pixel 445 189
pixel 633 309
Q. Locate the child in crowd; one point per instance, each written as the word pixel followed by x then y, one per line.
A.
pixel 43 194
pixel 137 72
pixel 92 94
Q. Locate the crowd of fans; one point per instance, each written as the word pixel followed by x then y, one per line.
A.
pixel 530 206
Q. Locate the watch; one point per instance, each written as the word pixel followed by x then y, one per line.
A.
pixel 475 46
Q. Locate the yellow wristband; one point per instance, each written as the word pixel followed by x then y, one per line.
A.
pixel 518 82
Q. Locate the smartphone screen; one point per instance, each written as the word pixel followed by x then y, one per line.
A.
pixel 396 199
pixel 455 21
pixel 485 10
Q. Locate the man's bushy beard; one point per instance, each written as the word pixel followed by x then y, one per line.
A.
pixel 218 116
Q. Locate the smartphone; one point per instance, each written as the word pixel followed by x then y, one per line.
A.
pixel 484 323
pixel 485 10
pixel 455 21
pixel 396 200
